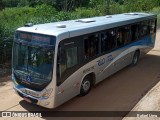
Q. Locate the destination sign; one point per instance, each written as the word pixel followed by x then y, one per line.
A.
pixel 36 38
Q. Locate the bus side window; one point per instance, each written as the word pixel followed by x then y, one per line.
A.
pixel 124 35
pixel 91 44
pixel 135 32
pixel 152 26
pixel 72 59
pixel 108 40
pixel 127 36
pixel 120 41
pixel 144 29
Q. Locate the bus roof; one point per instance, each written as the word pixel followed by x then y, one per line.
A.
pixel 72 28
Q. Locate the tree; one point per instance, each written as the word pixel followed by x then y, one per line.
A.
pixel 107 7
pixel 140 5
pixel 1 5
pixel 69 5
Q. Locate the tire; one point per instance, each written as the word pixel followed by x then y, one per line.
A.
pixel 135 59
pixel 86 86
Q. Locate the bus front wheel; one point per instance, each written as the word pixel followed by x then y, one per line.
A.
pixel 135 58
pixel 85 86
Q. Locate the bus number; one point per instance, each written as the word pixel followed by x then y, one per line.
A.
pixel 101 62
pixel 110 58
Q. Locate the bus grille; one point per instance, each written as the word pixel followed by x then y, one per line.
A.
pixel 32 100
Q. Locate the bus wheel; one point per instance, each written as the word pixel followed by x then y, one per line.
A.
pixel 86 86
pixel 135 58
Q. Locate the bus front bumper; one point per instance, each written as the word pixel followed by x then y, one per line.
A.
pixel 47 103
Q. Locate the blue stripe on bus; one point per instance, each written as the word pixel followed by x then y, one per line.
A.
pixel 147 41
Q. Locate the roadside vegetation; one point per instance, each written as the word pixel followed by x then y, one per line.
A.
pixel 16 13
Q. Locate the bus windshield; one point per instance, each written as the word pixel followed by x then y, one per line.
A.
pixel 33 63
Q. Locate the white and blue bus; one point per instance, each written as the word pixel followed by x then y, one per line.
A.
pixel 55 62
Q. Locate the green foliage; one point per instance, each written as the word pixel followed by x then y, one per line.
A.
pixel 94 3
pixel 23 3
pixel 156 11
pixel 10 3
pixel 99 6
pixel 84 13
pixel 62 16
pixel 140 5
pixel 116 8
pixel 64 5
pixel 43 14
pixel 12 18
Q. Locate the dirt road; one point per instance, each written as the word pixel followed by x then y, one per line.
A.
pixel 120 92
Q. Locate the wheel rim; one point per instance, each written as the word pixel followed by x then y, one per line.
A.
pixel 135 59
pixel 86 85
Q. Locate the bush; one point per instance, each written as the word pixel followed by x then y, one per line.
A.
pixel 13 18
pixel 140 5
pixel 116 8
pixel 84 13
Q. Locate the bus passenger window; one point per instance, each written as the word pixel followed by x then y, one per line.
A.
pixel 71 57
pixel 144 28
pixel 91 44
pixel 108 40
pixel 124 36
pixel 135 32
pixel 127 35
pixel 152 26
pixel 120 37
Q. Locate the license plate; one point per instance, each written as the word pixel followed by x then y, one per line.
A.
pixel 26 99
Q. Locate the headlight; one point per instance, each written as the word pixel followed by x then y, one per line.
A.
pixel 47 93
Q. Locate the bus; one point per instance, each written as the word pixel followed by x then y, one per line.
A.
pixel 55 62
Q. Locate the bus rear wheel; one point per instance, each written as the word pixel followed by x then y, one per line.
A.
pixel 135 58
pixel 85 86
